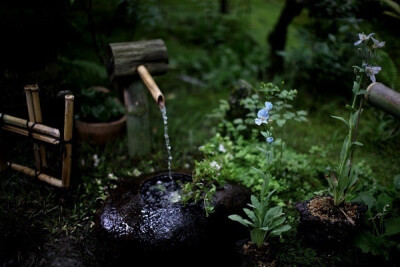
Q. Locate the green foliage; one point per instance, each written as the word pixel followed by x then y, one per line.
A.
pixel 394 8
pixel 236 149
pixel 98 106
pixel 205 178
pixel 263 221
pixel 383 220
pixel 84 73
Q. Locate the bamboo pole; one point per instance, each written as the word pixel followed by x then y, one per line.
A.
pixel 151 85
pixel 384 98
pixel 31 113
pixel 38 118
pixel 37 136
pixel 53 132
pixel 31 172
pixel 68 123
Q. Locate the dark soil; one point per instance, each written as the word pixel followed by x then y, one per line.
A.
pixel 253 256
pixel 324 208
pixel 321 223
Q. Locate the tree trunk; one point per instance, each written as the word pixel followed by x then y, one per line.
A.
pixel 224 6
pixel 277 38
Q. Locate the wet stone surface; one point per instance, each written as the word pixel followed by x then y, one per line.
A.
pixel 148 214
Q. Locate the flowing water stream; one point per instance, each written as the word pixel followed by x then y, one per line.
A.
pixel 163 110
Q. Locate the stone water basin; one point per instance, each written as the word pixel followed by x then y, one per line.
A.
pixel 147 213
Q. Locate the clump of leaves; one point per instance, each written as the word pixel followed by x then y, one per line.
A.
pixel 203 185
pixel 383 230
pixel 263 221
pixel 98 106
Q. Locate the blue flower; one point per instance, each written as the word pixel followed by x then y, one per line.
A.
pixel 362 37
pixel 268 106
pixel 270 140
pixel 377 44
pixel 263 116
pixel 371 71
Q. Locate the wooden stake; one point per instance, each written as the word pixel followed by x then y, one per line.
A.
pixel 37 136
pixel 41 176
pixel 137 120
pixel 53 132
pixel 3 163
pixel 31 113
pixel 68 123
pixel 38 117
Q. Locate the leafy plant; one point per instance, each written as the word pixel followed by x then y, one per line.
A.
pixel 342 180
pixel 236 148
pixel 263 221
pixel 98 106
pixel 203 185
pixel 383 224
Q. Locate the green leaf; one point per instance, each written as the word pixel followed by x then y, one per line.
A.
pixel 354 117
pixel 357 143
pixel 356 87
pixel 343 153
pixel 238 121
pixel 259 172
pixel 250 214
pixel 396 182
pixel 240 220
pixel 280 123
pixel 301 113
pixel 272 213
pixel 362 92
pixel 392 226
pixel 365 197
pixel 277 222
pixel 289 115
pixel 278 231
pixel 341 119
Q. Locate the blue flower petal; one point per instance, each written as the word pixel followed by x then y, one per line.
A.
pixel 268 105
pixel 258 121
pixel 270 140
pixel 263 114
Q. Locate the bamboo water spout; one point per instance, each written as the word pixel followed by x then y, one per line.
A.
pixel 151 85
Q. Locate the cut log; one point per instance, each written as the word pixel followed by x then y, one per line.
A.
pixel 124 58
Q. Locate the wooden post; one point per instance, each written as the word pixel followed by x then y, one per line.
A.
pixel 38 117
pixel 68 123
pixel 3 162
pixel 137 123
pixel 31 113
pixel 384 98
